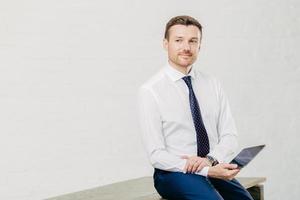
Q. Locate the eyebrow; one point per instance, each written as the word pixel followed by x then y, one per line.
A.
pixel 193 38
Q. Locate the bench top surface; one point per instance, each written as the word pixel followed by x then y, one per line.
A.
pixel 135 189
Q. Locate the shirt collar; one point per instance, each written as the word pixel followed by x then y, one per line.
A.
pixel 176 75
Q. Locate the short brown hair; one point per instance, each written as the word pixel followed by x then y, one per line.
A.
pixel 183 20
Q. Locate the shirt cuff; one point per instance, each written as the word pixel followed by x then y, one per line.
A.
pixel 203 172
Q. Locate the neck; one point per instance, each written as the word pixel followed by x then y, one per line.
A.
pixel 183 69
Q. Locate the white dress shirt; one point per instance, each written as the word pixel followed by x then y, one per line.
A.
pixel 166 120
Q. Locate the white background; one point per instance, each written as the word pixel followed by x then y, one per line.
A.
pixel 70 69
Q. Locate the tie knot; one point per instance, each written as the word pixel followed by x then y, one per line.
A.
pixel 188 82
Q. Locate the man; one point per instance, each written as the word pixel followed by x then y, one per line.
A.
pixel 187 126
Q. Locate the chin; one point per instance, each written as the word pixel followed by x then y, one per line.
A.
pixel 185 64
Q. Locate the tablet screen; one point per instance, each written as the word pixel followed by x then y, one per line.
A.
pixel 246 155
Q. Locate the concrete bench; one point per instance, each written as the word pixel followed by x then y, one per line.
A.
pixel 143 189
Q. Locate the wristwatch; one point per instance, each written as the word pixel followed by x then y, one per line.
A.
pixel 212 160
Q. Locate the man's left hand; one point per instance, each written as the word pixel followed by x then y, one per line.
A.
pixel 195 164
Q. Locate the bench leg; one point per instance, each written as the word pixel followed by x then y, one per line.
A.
pixel 257 192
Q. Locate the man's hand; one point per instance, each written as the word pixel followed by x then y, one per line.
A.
pixel 195 164
pixel 223 171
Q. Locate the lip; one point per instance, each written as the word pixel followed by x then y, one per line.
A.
pixel 185 55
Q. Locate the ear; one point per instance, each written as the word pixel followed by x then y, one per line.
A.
pixel 165 44
pixel 200 41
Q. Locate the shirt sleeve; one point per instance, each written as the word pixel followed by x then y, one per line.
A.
pixel 228 144
pixel 152 135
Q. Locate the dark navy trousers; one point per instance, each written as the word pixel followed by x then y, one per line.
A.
pixel 180 186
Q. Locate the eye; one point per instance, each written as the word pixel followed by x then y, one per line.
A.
pixel 178 40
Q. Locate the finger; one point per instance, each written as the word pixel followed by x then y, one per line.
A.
pixel 207 162
pixel 230 166
pixel 184 157
pixel 233 172
pixel 195 167
pixel 236 171
pixel 190 167
pixel 203 164
pixel 200 167
pixel 232 176
pixel 185 167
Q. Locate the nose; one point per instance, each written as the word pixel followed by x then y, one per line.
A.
pixel 186 46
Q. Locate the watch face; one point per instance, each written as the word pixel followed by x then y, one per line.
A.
pixel 212 160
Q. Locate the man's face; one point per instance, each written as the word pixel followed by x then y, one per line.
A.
pixel 183 45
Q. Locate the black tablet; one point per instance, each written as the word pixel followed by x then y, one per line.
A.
pixel 246 155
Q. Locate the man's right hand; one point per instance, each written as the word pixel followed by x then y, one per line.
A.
pixel 223 171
